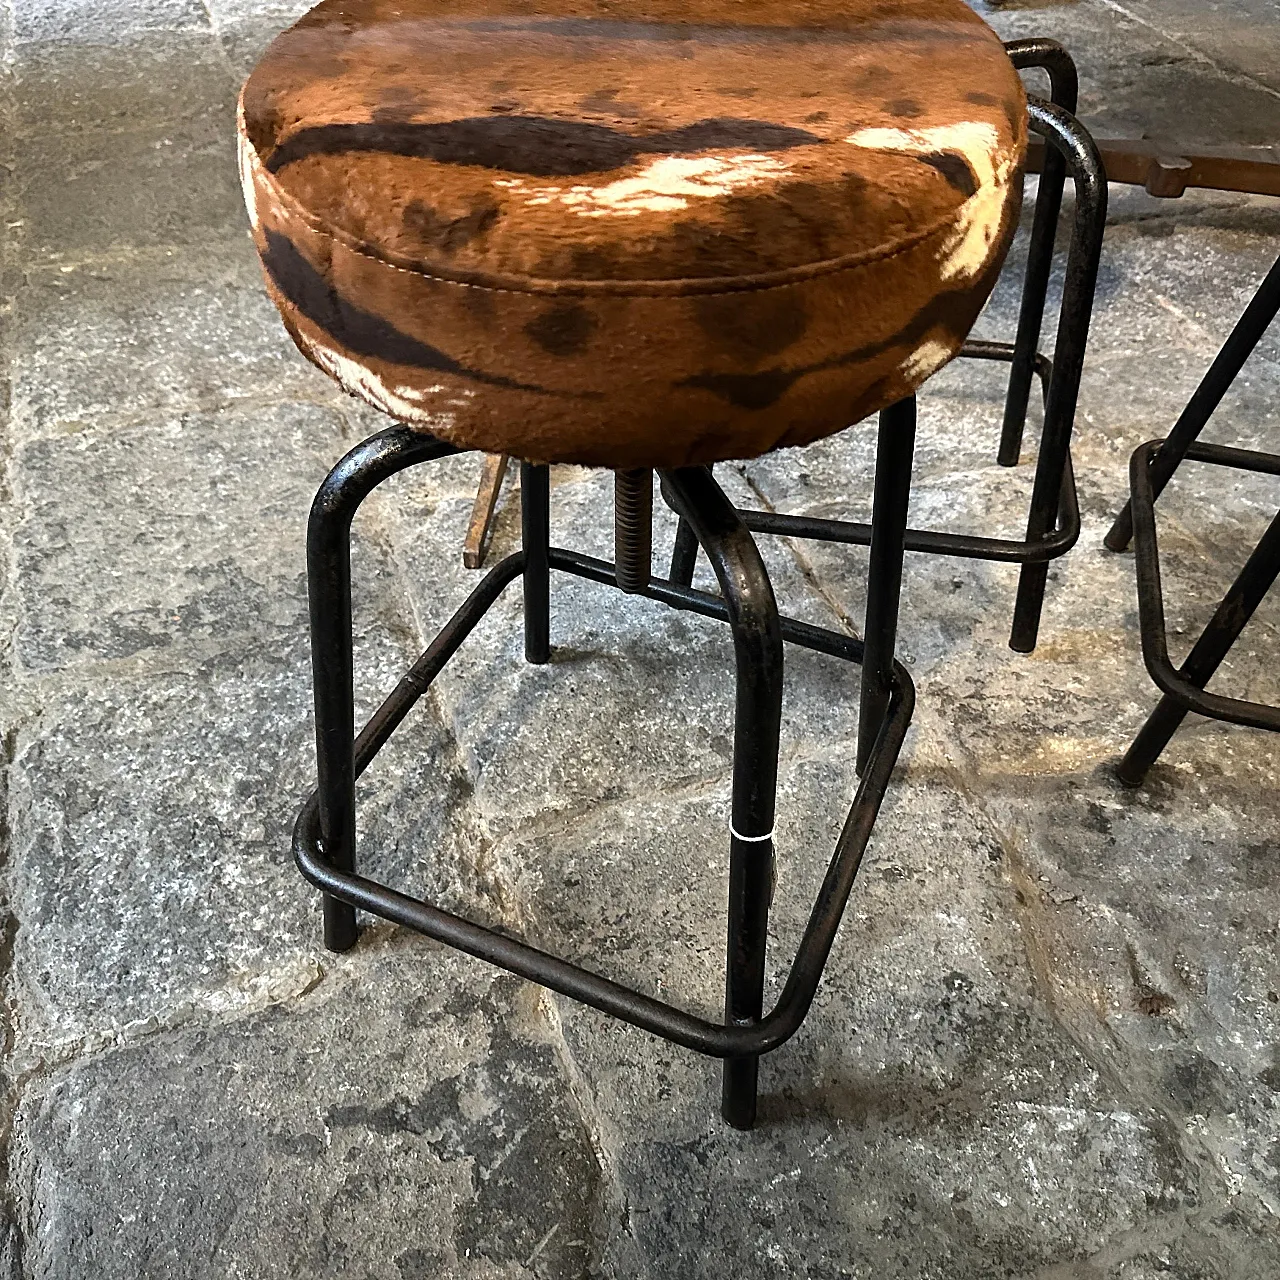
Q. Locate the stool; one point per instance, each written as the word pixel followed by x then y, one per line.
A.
pixel 1053 520
pixel 1151 468
pixel 634 235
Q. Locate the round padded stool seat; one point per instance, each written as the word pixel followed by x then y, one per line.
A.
pixel 632 233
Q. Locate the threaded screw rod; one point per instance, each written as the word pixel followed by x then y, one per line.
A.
pixel 633 528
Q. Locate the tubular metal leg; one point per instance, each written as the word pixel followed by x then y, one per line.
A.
pixel 757 645
pixel 329 588
pixel 1239 346
pixel 535 521
pixel 894 451
pixel 684 554
pixel 1065 134
pixel 1049 56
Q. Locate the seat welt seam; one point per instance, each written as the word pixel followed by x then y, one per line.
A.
pixel 687 286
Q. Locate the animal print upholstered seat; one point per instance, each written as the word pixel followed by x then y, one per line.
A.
pixel 632 232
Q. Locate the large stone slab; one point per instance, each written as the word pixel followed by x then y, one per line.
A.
pixel 1155 916
pixel 149 78
pixel 1153 303
pixel 408 1120
pixel 82 196
pixel 1240 37
pixel 151 824
pixel 1138 79
pixel 104 21
pixel 180 536
pixel 168 329
pixel 930 1119
pixel 161 763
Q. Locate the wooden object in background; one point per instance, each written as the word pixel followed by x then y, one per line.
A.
pixel 476 545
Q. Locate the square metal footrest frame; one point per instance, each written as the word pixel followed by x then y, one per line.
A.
pixel 324 836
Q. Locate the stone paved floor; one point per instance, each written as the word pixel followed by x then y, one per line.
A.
pixel 1049 1042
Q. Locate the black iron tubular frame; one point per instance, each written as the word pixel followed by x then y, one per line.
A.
pixel 535 526
pixel 324 835
pixel 1263 308
pixel 1053 521
pixel 1084 163
pixel 1150 470
pixel 1064 88
pixel 884 575
pixel 1183 687
pixel 329 565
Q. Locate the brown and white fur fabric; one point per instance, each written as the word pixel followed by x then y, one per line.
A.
pixel 632 232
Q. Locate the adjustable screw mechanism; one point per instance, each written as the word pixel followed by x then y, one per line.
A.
pixel 633 528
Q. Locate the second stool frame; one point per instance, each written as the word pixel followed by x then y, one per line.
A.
pixel 1053 521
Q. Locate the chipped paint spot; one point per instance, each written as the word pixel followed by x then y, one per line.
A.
pixel 666 184
pixel 968 249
